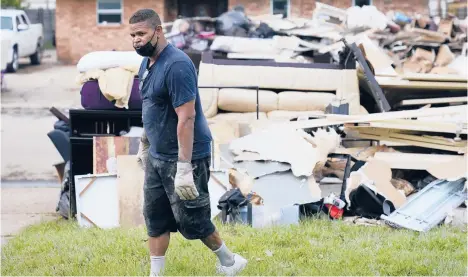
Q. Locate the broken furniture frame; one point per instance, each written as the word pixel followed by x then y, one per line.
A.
pixel 369 77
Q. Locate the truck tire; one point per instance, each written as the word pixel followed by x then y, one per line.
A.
pixel 36 58
pixel 13 66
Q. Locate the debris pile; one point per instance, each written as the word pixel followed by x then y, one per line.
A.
pixel 412 173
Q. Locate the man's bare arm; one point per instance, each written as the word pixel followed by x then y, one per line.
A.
pixel 185 130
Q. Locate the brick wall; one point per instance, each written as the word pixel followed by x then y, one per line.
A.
pixel 252 7
pixel 77 33
pixel 305 8
pixel 407 6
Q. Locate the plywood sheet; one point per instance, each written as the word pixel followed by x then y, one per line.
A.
pixel 130 186
pixel 106 150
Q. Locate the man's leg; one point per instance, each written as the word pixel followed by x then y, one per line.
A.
pixel 216 244
pixel 158 215
pixel 194 216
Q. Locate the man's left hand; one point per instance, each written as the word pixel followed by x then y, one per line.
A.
pixel 184 185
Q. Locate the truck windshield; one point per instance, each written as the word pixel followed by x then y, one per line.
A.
pixel 7 23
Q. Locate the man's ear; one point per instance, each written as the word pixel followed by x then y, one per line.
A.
pixel 159 30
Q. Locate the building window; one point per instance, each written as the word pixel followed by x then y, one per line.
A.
pixel 109 12
pixel 361 3
pixel 280 7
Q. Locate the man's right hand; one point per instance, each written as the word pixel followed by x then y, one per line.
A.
pixel 143 148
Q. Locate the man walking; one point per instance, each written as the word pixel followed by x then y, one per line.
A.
pixel 177 162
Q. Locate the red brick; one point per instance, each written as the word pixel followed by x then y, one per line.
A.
pixel 77 31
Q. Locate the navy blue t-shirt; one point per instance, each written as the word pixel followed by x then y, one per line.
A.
pixel 170 82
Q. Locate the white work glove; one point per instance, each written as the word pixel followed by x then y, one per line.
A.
pixel 184 185
pixel 143 149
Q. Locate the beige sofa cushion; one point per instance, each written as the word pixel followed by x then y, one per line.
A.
pixel 304 101
pixel 245 100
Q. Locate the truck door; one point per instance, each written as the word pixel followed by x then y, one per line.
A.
pixel 22 39
pixel 30 45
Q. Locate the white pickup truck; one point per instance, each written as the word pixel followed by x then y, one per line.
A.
pixel 24 39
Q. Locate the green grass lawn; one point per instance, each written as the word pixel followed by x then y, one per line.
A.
pixel 316 247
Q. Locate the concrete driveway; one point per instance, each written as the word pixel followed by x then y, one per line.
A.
pixel 30 188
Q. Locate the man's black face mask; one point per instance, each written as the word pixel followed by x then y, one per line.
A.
pixel 148 49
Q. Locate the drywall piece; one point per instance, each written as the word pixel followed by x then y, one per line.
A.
pixel 284 189
pixel 290 146
pixel 418 161
pixel 97 200
pixel 429 206
pixel 450 170
pixel 257 169
pixel 254 167
pixel 130 181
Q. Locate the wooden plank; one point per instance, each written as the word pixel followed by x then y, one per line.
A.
pixel 425 101
pixel 415 161
pixel 388 82
pixel 130 179
pixel 342 119
pixel 423 138
pixel 434 77
pixel 414 125
pixel 416 142
pixel 87 186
